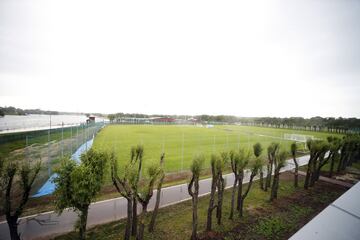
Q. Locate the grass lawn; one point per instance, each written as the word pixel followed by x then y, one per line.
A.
pixel 181 143
pixel 156 138
pixel 262 220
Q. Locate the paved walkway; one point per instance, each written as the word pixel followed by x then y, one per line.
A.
pixel 50 224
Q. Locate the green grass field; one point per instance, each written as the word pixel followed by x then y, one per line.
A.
pixel 180 143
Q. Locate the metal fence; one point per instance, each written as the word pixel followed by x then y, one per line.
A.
pixel 48 146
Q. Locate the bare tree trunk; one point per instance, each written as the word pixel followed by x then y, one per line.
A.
pixel 341 160
pixel 134 218
pixel 240 185
pixel 332 165
pixel 128 227
pixel 140 235
pixel 296 173
pixel 221 186
pixel 275 185
pixel 211 203
pixel 194 195
pixel 241 207
pixel 313 172
pixel 233 198
pixel 157 204
pixel 195 219
pixel 262 179
pixel 268 176
pixel 13 227
pixel 245 194
pixel 308 173
pixel 83 222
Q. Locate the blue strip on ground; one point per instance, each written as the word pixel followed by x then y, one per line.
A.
pixel 49 186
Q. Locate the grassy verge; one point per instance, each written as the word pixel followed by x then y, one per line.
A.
pixel 262 220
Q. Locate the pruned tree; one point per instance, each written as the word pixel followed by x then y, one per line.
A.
pixel 272 150
pixel 158 193
pixel 244 157
pixel 279 162
pixel 144 197
pixel 322 149
pixel 349 151
pixel 137 154
pixel 335 145
pixel 325 149
pixel 293 149
pixel 16 181
pixel 214 180
pixel 257 152
pixel 220 165
pixel 315 147
pixel 256 165
pixel 234 163
pixel 193 190
pixel 124 185
pixel 78 185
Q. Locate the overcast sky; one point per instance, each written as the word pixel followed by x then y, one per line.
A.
pixel 253 58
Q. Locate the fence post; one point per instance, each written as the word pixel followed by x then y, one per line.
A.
pixel 182 153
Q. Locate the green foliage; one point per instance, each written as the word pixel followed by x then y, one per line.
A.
pixel 77 185
pixel 243 158
pixel 63 182
pixel 257 149
pixel 197 165
pixel 256 165
pixel 271 227
pixel 225 157
pixel 281 158
pixel 153 172
pixel 300 211
pixel 136 153
pixel 213 159
pixel 309 143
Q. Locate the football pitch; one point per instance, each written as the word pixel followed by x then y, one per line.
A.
pixel 182 142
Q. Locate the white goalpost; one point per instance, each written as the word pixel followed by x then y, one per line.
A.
pixel 299 138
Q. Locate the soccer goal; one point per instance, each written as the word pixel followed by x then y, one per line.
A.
pixel 299 138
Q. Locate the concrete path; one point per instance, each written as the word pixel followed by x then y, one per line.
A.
pixel 50 224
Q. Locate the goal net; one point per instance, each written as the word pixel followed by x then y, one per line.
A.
pixel 297 137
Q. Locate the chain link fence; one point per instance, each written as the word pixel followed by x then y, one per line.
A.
pixel 48 146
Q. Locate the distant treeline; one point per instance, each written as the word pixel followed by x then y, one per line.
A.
pixel 314 123
pixel 19 111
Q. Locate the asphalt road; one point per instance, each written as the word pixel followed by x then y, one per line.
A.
pixel 50 224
